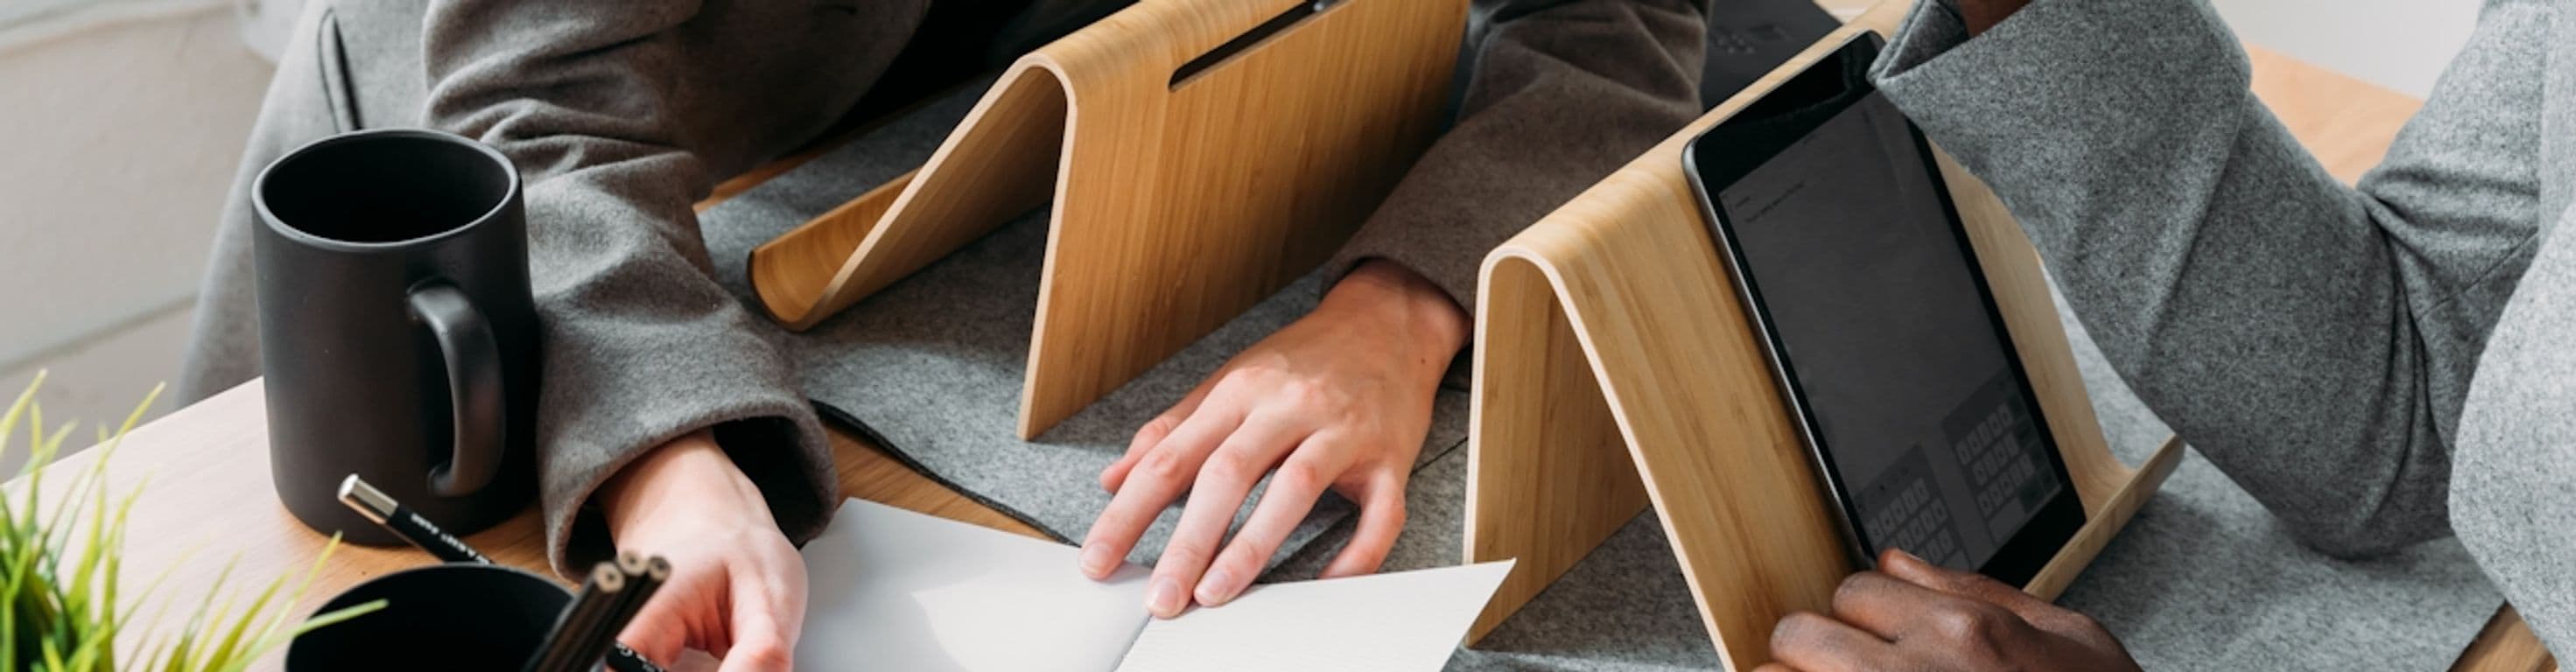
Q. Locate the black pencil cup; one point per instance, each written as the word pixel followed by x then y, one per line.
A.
pixel 440 617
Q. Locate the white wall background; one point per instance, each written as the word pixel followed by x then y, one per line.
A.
pixel 121 122
pixel 2399 44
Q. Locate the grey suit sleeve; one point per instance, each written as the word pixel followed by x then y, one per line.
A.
pixel 2314 341
pixel 1559 94
pixel 641 343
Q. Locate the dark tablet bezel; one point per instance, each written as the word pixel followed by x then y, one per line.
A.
pixel 1760 132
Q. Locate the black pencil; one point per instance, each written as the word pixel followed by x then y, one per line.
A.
pixel 629 602
pixel 381 508
pixel 641 582
pixel 561 650
pixel 632 564
pixel 643 578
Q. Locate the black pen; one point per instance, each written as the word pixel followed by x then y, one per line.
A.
pixel 381 508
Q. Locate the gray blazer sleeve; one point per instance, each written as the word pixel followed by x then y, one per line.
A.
pixel 2314 341
pixel 1559 93
pixel 641 343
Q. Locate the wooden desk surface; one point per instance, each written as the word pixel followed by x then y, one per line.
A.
pixel 209 501
pixel 210 498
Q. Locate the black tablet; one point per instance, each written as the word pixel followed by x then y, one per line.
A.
pixel 1831 217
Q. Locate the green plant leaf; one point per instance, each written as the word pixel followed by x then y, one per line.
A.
pixel 62 602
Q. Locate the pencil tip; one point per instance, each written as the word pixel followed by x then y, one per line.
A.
pixel 607 577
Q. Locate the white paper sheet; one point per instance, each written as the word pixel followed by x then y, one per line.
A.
pixel 1403 622
pixel 895 591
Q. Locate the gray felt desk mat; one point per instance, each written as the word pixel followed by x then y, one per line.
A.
pixel 932 365
pixel 2202 578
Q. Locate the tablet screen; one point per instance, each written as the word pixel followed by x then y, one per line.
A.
pixel 1908 379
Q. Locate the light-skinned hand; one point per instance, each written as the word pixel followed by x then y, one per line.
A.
pixel 737 587
pixel 1340 399
pixel 1914 615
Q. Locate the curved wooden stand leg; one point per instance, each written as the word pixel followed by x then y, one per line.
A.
pixel 793 296
pixel 2104 520
pixel 999 163
pixel 1614 310
pixel 1559 449
pixel 1679 375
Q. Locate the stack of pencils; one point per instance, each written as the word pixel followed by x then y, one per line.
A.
pixel 608 599
pixel 587 630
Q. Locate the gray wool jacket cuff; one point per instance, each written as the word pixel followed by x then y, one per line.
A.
pixel 2260 306
pixel 2164 198
pixel 1559 93
pixel 644 347
pixel 641 344
pixel 2317 342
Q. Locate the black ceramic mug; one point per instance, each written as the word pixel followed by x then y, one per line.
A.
pixel 397 332
pixel 439 617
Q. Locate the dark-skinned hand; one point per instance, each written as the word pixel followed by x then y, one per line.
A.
pixel 1912 615
pixel 1983 14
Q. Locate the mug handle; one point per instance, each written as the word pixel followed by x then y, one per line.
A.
pixel 474 388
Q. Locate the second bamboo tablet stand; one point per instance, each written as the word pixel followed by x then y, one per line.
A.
pixel 1200 154
pixel 1615 370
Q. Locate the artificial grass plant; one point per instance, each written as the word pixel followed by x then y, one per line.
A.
pixel 63 606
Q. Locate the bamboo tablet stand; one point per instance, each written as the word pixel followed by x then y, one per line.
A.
pixel 1615 369
pixel 1200 155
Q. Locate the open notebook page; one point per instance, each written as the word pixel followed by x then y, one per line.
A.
pixel 895 591
pixel 890 590
pixel 1403 622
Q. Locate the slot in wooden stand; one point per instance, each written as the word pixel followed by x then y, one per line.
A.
pixel 1200 155
pixel 1616 370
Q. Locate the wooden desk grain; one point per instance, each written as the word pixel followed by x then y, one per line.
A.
pixel 209 501
pixel 2346 122
pixel 2506 645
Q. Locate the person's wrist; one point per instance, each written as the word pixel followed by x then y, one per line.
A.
pixel 690 474
pixel 1389 295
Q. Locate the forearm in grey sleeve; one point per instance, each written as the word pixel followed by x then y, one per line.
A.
pixel 1559 94
pixel 2313 340
pixel 641 344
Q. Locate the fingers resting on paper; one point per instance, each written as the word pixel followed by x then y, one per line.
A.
pixel 1338 401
